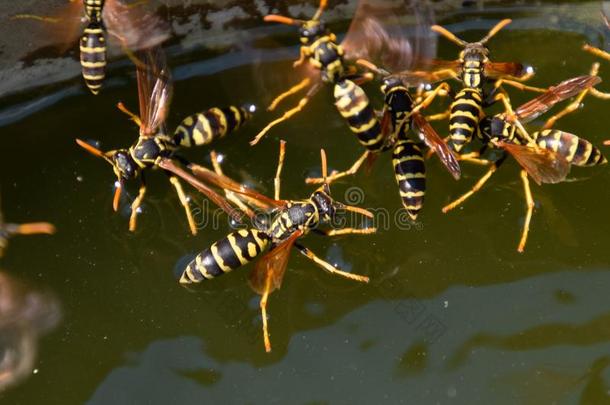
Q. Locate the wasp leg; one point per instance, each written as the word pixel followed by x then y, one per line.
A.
pixel 301 104
pixel 346 231
pixel 574 105
pixel 329 267
pixel 136 204
pixel 529 200
pixel 476 187
pixel 440 90
pixel 263 306
pixel 337 175
pixel 231 196
pixel 514 119
pixel 32 228
pixel 184 201
pixel 294 89
pixel 599 94
pixel 596 51
pixel 278 172
pixel 302 57
pixel 131 115
pixel 439 117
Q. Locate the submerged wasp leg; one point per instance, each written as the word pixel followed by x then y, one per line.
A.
pixel 293 90
pixel 263 306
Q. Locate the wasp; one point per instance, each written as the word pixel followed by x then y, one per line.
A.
pixel 128 24
pixel 154 143
pixel 287 222
pixel 8 230
pixel 321 52
pixel 473 69
pixel 400 114
pixel 545 155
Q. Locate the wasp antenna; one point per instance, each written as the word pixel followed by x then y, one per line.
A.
pixel 449 35
pixel 495 30
pixel 90 148
pixel 321 8
pixel 372 67
pixel 281 19
pixel 117 194
pixel 324 165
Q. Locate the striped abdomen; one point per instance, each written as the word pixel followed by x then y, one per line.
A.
pixel 354 106
pixel 410 172
pixel 204 128
pixel 466 112
pixel 229 253
pixel 93 9
pixel 93 56
pixel 576 150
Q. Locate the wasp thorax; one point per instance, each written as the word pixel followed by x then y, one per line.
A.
pixel 389 83
pixel 124 165
pixel 312 30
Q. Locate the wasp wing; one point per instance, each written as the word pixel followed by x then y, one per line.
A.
pixel 269 271
pixel 224 182
pixel 505 69
pixel 543 165
pixel 429 71
pixel 133 26
pixel 437 144
pixel 390 34
pixel 564 90
pixel 170 166
pixel 154 89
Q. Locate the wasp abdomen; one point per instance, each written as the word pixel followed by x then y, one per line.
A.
pixel 354 106
pixel 466 112
pixel 410 172
pixel 576 150
pixel 204 128
pixel 93 9
pixel 93 56
pixel 229 253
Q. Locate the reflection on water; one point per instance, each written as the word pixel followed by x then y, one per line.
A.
pixel 25 315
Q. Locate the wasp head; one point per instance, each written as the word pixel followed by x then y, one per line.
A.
pixel 312 30
pixel 324 203
pixel 123 164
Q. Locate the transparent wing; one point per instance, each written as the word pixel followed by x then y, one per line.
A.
pixel 437 144
pixel 154 89
pixel 272 266
pixel 543 165
pixel 220 201
pixel 133 25
pixel 566 89
pixel 391 34
pixel 505 69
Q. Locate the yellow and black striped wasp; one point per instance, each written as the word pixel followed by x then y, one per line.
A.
pixel 326 61
pixel 154 143
pixel 400 114
pixel 8 230
pixel 287 221
pixel 544 155
pixel 473 69
pixel 129 24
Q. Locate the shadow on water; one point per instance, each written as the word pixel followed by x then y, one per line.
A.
pixel 452 313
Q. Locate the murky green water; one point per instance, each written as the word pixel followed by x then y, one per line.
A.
pixel 453 314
